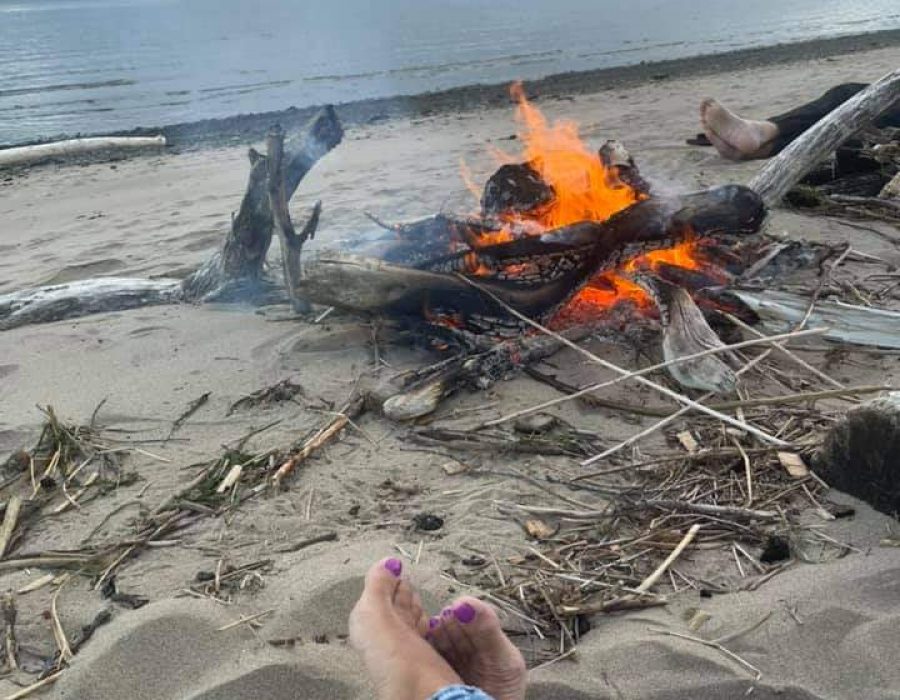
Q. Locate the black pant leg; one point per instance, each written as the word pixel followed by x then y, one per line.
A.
pixel 794 122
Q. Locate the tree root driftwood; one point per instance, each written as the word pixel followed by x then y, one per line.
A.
pixel 234 273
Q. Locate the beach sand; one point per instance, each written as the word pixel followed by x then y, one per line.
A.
pixel 832 629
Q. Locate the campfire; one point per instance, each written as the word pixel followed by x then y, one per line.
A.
pixel 558 181
pixel 564 235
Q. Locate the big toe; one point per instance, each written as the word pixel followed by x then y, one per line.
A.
pixel 487 657
pixel 382 579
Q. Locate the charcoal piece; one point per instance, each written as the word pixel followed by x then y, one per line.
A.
pixel 428 522
pixel 775 549
pixel 515 187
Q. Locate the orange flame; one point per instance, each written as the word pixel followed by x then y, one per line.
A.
pixel 585 189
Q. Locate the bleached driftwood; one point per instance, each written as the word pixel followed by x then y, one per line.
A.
pixel 786 169
pixel 235 273
pixel 291 241
pixel 24 155
pixel 240 262
pixel 859 325
pixel 53 303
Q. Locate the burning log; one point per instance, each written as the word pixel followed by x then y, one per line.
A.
pixel 617 158
pixel 786 169
pixel 515 187
pixel 535 274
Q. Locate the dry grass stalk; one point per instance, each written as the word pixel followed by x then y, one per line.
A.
pixel 10 519
pixel 651 580
pixel 246 620
pixel 59 634
pixel 34 687
pixel 11 646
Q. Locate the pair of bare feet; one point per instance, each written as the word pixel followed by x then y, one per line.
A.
pixel 410 656
pixel 734 137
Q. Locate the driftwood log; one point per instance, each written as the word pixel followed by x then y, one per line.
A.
pixel 234 273
pixel 27 155
pixel 786 169
pixel 844 323
pixel 239 265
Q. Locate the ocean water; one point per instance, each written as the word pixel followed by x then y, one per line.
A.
pixel 88 66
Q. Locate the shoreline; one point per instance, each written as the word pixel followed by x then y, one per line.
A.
pixel 247 128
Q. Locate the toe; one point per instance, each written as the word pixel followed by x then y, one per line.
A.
pixel 475 618
pixel 408 606
pixel 383 578
pixel 421 619
pixel 437 634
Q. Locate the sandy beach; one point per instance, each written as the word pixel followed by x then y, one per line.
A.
pixel 829 632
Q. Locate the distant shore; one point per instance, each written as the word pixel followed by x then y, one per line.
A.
pixel 248 128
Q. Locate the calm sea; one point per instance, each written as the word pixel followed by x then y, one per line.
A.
pixel 70 66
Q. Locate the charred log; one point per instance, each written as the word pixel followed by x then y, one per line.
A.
pixel 515 187
pixel 617 158
pixel 533 274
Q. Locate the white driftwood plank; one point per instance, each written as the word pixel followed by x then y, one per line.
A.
pixel 859 325
pixel 23 155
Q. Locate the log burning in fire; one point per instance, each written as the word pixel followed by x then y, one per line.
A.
pixel 560 231
pixel 562 182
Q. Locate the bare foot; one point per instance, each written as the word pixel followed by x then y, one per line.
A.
pixel 736 138
pixel 387 627
pixel 469 636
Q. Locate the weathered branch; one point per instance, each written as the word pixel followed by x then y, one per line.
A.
pixel 786 169
pixel 46 304
pixel 291 242
pixel 244 251
pixel 233 273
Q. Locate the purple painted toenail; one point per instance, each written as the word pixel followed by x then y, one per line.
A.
pixel 395 566
pixel 433 622
pixel 465 613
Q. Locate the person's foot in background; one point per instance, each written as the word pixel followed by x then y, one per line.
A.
pixel 734 137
